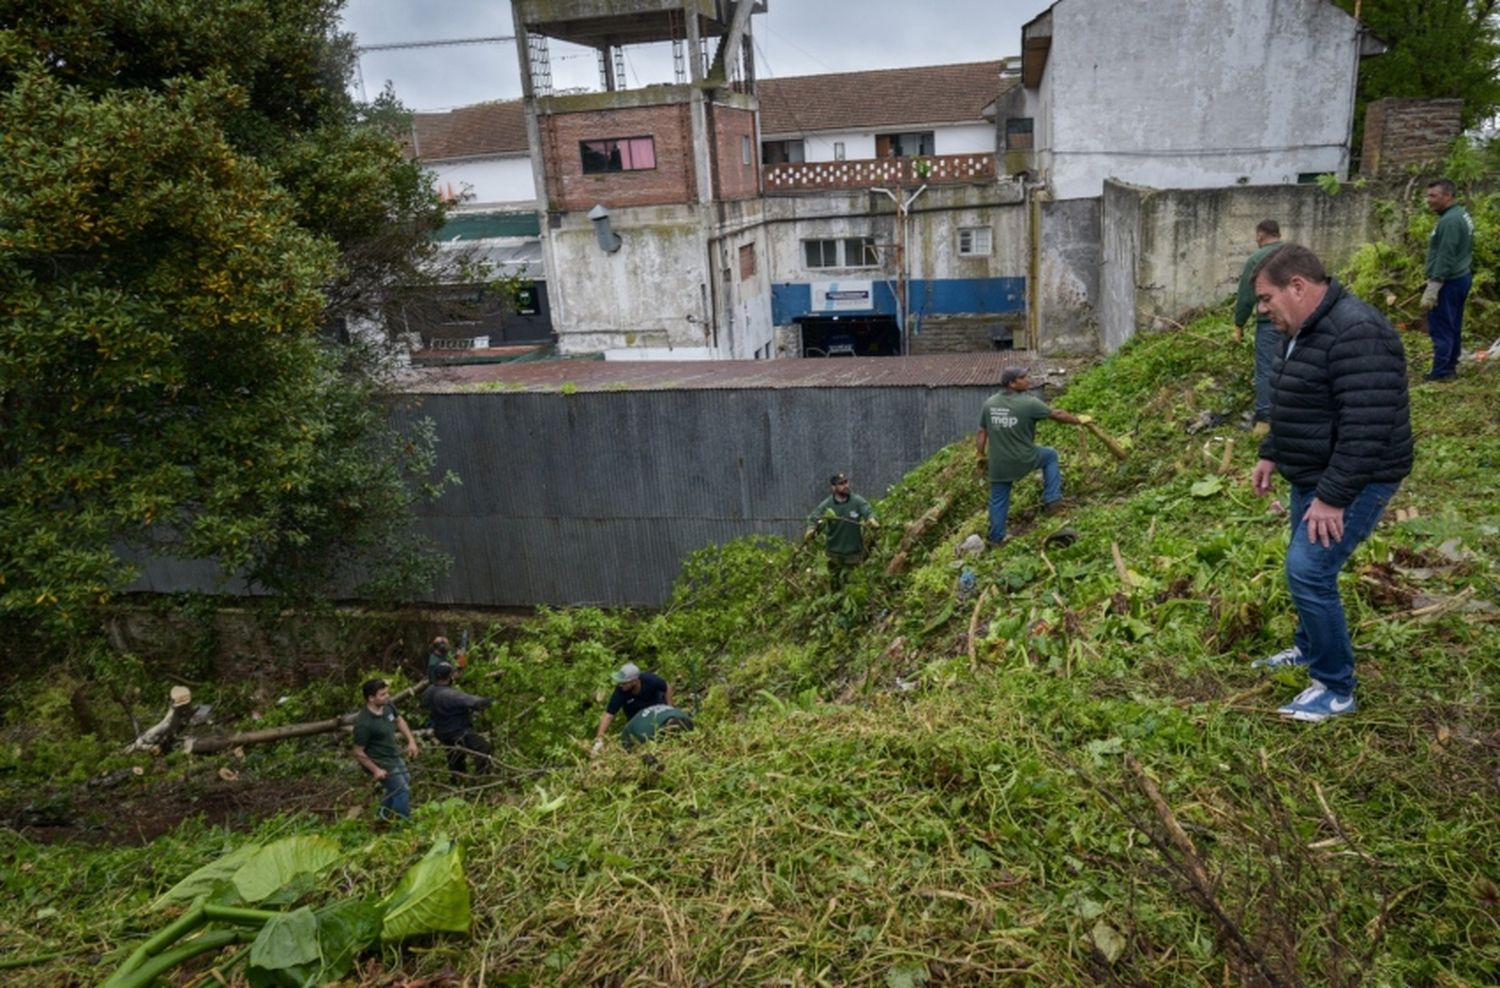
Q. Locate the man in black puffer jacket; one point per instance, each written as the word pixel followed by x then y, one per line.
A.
pixel 1341 435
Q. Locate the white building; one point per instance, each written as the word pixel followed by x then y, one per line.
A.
pixel 1191 94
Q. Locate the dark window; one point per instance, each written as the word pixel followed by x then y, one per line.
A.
pixel 781 152
pixel 912 144
pixel 747 261
pixel 1018 134
pixel 622 154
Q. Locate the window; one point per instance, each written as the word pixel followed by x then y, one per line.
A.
pixel 623 154
pixel 747 261
pixel 908 145
pixel 845 252
pixel 781 152
pixel 1018 135
pixel 838 150
pixel 974 241
pixel 744 150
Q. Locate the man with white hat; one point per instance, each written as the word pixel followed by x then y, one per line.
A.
pixel 634 692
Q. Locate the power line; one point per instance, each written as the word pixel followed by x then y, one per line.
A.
pixel 440 43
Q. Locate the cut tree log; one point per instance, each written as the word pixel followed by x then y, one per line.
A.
pixel 214 744
pixel 159 737
pixel 915 531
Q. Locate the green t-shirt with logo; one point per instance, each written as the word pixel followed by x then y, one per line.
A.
pixel 1010 420
pixel 376 733
pixel 842 523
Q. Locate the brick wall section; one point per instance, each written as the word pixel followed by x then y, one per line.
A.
pixel 671 181
pixel 1402 133
pixel 733 179
pixel 961 334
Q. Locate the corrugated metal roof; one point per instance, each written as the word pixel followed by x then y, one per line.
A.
pixel 945 370
pixel 492 128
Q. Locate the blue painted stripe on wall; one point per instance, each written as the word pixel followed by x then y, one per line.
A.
pixel 935 297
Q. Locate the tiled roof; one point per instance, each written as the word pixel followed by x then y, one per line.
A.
pixel 927 94
pixel 470 131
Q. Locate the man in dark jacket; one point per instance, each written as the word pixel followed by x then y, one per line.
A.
pixel 1341 435
pixel 452 712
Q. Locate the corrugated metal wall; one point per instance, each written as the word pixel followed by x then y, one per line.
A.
pixel 594 498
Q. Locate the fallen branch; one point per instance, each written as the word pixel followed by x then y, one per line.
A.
pixel 159 738
pixel 915 531
pixel 1110 444
pixel 974 627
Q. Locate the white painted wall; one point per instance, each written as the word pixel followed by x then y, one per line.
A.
pixel 1198 94
pixel 976 138
pixel 492 181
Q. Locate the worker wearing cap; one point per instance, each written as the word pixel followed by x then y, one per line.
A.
pixel 452 713
pixel 843 517
pixel 1007 425
pixel 634 692
pixel 437 653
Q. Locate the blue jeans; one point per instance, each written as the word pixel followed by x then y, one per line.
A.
pixel 1000 491
pixel 397 799
pixel 1445 324
pixel 1268 343
pixel 1312 576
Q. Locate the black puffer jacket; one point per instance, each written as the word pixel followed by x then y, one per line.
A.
pixel 1340 418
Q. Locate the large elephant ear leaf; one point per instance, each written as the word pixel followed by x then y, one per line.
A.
pixel 345 929
pixel 285 952
pixel 278 863
pixel 201 883
pixel 431 897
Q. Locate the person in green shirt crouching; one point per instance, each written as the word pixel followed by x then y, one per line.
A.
pixel 1007 423
pixel 842 517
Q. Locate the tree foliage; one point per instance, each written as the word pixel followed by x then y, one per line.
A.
pixel 1437 49
pixel 188 198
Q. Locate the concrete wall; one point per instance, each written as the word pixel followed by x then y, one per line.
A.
pixel 1067 285
pixel 491 181
pixel 1184 248
pixel 1198 95
pixel 650 292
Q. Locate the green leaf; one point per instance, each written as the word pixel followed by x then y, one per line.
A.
pixel 1207 487
pixel 285 953
pixel 1109 942
pixel 277 864
pixel 344 930
pixel 906 977
pixel 201 883
pixel 431 897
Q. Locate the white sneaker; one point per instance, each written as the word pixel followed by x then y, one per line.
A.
pixel 1286 657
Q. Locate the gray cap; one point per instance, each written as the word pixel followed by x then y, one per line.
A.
pixel 627 673
pixel 1012 374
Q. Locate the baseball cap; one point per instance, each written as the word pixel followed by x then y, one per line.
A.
pixel 837 478
pixel 1013 374
pixel 626 673
pixel 442 670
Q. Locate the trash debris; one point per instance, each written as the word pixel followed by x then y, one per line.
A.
pixel 967 580
pixel 1207 420
pixel 971 546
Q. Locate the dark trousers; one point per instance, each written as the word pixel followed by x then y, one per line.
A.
pixel 1445 324
pixel 471 742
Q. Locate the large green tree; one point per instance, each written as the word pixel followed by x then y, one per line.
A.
pixel 188 200
pixel 1436 49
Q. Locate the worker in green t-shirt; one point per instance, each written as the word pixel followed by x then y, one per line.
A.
pixel 1450 274
pixel 1007 423
pixel 376 748
pixel 842 517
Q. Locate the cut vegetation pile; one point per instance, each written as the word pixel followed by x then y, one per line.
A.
pixel 1059 771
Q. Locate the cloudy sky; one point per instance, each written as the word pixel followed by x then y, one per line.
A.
pixel 794 37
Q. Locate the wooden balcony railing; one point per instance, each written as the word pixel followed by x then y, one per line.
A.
pixel 868 172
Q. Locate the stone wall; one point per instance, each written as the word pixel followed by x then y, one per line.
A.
pixel 1408 133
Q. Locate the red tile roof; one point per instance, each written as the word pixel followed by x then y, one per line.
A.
pixel 471 131
pixel 927 94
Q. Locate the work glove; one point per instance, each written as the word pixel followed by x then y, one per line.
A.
pixel 1237 334
pixel 1085 419
pixel 807 535
pixel 1430 294
pixel 872 523
pixel 598 747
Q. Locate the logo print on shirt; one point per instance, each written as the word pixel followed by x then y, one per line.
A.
pixel 1003 418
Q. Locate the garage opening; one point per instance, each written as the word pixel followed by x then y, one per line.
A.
pixel 850 336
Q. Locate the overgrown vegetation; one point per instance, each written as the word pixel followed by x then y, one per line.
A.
pixel 1069 775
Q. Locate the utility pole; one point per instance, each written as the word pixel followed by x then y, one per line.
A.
pixel 903 286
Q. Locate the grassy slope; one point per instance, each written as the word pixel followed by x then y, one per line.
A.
pixel 984 826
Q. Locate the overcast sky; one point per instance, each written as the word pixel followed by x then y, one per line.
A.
pixel 794 37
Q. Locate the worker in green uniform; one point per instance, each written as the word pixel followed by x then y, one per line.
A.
pixel 843 518
pixel 375 747
pixel 1007 426
pixel 1449 271
pixel 1268 339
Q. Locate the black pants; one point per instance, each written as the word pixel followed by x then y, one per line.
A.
pixel 470 742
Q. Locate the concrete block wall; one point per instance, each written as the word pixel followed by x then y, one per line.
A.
pixel 1407 133
pixel 962 334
